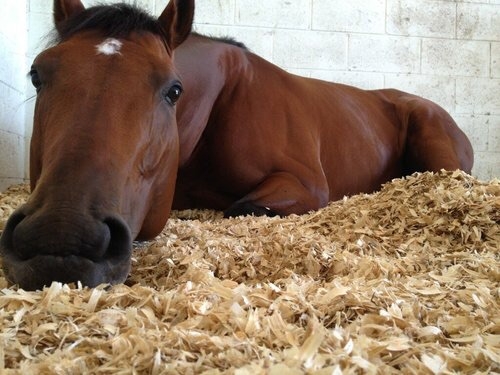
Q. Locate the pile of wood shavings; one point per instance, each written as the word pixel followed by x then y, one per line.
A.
pixel 403 280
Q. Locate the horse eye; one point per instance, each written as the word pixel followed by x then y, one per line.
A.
pixel 173 94
pixel 35 79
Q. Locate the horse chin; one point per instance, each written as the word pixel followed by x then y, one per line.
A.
pixel 42 270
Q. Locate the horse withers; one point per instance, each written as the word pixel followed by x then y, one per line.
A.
pixel 104 150
pixel 250 138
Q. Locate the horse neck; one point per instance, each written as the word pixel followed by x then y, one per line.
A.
pixel 208 68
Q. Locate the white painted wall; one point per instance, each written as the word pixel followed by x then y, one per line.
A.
pixel 445 50
pixel 13 36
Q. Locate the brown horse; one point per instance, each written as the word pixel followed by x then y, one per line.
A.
pixel 250 138
pixel 104 151
pixel 264 141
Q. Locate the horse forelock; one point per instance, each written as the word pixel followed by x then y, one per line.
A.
pixel 112 21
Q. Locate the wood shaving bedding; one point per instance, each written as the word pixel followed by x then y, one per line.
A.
pixel 405 280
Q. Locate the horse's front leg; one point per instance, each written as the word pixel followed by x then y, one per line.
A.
pixel 282 194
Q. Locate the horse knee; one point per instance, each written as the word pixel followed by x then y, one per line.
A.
pixel 281 194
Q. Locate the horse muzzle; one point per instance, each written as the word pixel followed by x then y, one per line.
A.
pixel 61 245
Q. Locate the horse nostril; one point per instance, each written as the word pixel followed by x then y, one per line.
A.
pixel 120 237
pixel 7 239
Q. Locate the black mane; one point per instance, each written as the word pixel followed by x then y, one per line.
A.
pixel 113 21
pixel 118 21
pixel 228 40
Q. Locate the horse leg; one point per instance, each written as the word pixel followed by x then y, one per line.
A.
pixel 282 194
pixel 435 142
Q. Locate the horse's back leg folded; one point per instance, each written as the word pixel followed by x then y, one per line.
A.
pixel 434 141
pixel 282 194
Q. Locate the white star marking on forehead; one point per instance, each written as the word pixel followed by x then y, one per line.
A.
pixel 110 46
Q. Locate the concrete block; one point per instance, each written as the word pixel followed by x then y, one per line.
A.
pixel 478 95
pixel 215 12
pixel 40 6
pixel 13 26
pixel 40 28
pixel 484 133
pixel 486 165
pixel 478 21
pixel 12 111
pixel 12 72
pixel 354 16
pixel 494 135
pixel 455 57
pixel 310 49
pixel 495 60
pixel 428 18
pixel 366 81
pixel 276 13
pixel 380 53
pixel 476 127
pixel 440 90
pixel 11 155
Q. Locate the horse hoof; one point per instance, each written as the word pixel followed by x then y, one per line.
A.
pixel 248 208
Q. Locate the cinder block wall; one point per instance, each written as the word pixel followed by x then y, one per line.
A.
pixel 447 51
pixel 12 91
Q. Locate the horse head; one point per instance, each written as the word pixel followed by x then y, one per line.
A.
pixel 104 149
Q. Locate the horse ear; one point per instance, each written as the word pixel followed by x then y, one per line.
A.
pixel 64 9
pixel 177 20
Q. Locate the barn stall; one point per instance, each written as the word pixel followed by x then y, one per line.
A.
pixel 405 280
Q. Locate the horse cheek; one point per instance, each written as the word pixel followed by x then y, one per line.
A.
pixel 35 166
pixel 162 160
